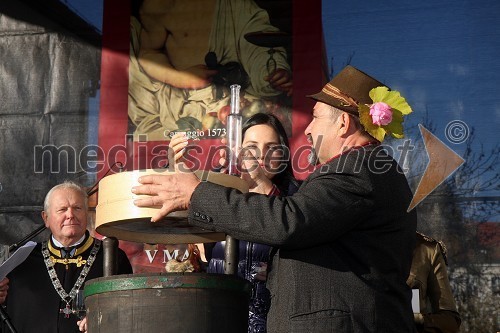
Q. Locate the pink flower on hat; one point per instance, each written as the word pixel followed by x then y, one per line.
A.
pixel 381 113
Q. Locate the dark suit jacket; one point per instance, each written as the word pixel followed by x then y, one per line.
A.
pixel 34 305
pixel 343 243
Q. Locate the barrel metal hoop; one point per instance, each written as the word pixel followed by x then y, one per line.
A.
pixel 193 280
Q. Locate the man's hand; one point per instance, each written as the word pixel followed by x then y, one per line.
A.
pixel 4 286
pixel 171 192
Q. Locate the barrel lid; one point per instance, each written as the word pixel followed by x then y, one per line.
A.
pixel 117 216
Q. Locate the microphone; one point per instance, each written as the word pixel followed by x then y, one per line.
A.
pixel 4 317
pixel 27 238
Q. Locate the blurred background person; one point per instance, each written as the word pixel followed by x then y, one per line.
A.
pixel 438 311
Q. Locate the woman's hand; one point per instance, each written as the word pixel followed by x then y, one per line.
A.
pixel 176 148
pixel 254 174
pixel 222 158
pixel 261 271
pixel 82 324
pixel 251 171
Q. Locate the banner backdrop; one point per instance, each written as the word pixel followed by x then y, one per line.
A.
pixel 168 67
pixel 177 77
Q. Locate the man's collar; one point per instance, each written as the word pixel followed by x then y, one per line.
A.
pixel 59 244
pixel 82 245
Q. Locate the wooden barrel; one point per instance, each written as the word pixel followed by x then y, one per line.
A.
pixel 117 216
pixel 167 302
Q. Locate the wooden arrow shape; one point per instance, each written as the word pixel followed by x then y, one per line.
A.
pixel 443 162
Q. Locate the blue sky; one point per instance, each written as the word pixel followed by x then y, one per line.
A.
pixel 90 10
pixel 442 55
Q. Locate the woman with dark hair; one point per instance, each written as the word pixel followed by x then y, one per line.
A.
pixel 265 138
pixel 266 166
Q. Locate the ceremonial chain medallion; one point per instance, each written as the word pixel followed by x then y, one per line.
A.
pixel 49 263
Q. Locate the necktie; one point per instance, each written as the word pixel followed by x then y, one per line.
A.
pixel 67 252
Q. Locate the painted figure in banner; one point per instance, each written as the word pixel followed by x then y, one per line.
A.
pixel 42 288
pixel 343 243
pixel 184 55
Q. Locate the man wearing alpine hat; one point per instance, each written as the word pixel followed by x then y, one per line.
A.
pixel 343 242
